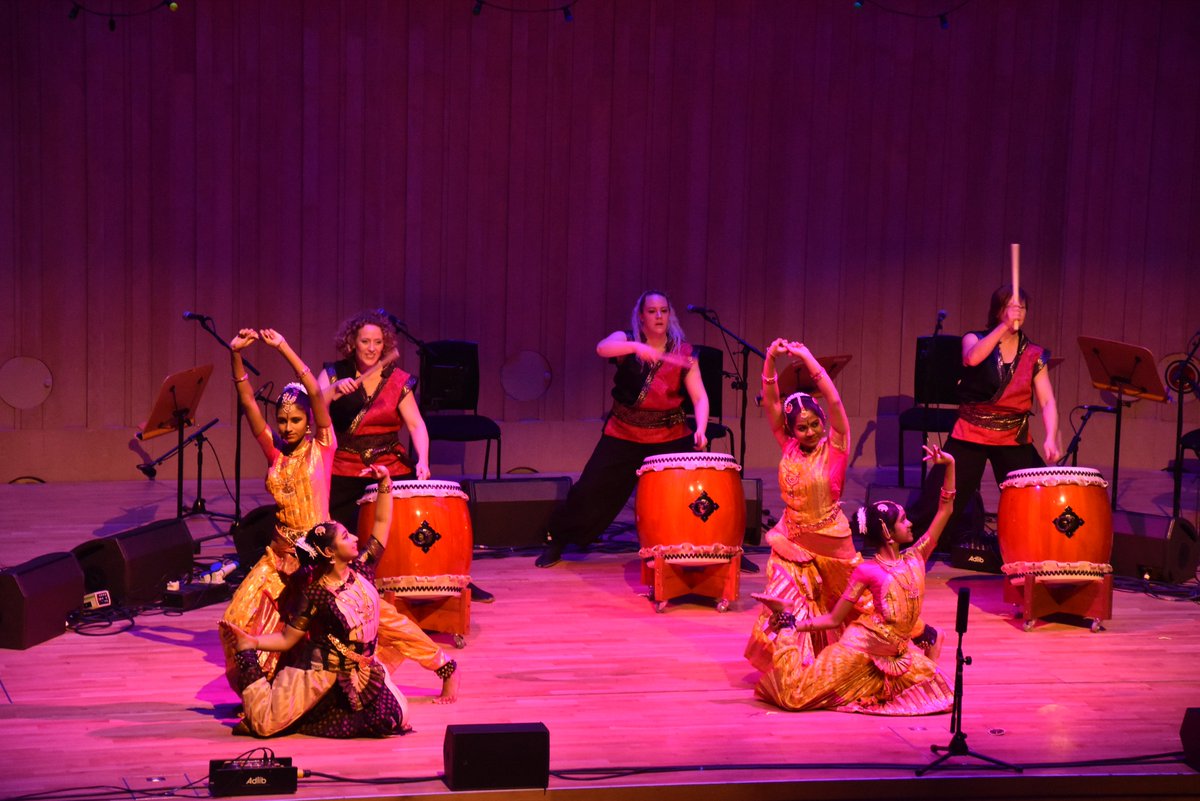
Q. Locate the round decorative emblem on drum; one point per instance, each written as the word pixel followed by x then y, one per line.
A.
pixel 425 536
pixel 1068 522
pixel 703 507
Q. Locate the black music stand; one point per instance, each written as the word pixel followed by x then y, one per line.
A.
pixel 795 377
pixel 174 409
pixel 1129 371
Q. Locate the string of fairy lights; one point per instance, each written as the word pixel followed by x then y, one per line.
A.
pixel 477 7
pixel 113 14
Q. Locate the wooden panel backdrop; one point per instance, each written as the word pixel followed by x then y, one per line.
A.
pixel 807 169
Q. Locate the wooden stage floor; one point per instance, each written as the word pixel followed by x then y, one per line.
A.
pixel 659 706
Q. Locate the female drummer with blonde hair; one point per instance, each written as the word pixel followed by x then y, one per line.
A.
pixel 812 553
pixel 654 369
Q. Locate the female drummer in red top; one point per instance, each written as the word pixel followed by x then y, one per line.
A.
pixel 654 368
pixel 370 400
pixel 1003 372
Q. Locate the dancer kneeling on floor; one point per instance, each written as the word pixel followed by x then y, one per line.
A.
pixel 875 667
pixel 333 686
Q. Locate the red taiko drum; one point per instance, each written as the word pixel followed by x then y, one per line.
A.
pixel 428 553
pixel 1055 519
pixel 690 507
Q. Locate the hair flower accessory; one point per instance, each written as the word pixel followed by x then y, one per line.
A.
pixel 306 546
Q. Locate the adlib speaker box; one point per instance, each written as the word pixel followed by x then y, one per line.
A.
pixel 501 756
pixel 36 597
pixel 1155 546
pixel 135 565
pixel 513 512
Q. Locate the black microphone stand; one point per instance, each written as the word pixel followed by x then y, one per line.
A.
pixel 207 324
pixel 1072 451
pixel 958 739
pixel 742 386
pixel 1183 382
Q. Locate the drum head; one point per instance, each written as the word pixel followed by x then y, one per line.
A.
pixel 1053 476
pixel 689 461
pixel 417 489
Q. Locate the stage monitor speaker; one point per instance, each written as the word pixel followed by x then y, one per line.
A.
pixel 135 565
pixel 514 512
pixel 1154 546
pixel 501 756
pixel 1189 735
pixel 752 488
pixel 36 597
pixel 253 534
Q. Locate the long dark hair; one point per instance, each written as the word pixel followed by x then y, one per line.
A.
pixel 310 550
pixel 1000 299
pixel 881 517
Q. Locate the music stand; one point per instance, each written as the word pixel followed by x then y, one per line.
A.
pixel 1129 371
pixel 795 377
pixel 174 409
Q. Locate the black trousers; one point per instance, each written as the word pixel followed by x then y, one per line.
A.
pixel 970 459
pixel 607 481
pixel 344 492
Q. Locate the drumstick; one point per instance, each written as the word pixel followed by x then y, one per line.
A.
pixel 1016 277
pixel 391 356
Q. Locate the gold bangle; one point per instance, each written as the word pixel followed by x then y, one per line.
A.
pixel 303 373
pixel 770 379
pixel 243 377
pixel 817 376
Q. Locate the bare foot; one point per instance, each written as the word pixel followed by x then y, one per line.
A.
pixel 770 601
pixel 449 690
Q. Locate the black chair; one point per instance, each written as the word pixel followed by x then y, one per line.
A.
pixel 712 374
pixel 449 397
pixel 935 387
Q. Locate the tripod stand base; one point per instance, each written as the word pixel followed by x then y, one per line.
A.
pixel 958 747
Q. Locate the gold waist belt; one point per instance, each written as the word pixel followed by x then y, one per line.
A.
pixel 647 418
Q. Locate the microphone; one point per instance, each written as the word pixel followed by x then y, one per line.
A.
pixel 204 318
pixel 396 322
pixel 699 309
pixel 964 607
pixel 941 318
pixel 1089 407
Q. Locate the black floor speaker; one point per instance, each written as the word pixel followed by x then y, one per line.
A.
pixel 135 565
pixel 36 597
pixel 253 534
pixel 513 512
pixel 501 756
pixel 1189 735
pixel 1154 546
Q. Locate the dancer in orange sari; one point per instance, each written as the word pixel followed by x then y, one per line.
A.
pixel 300 455
pixel 812 553
pixel 874 667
